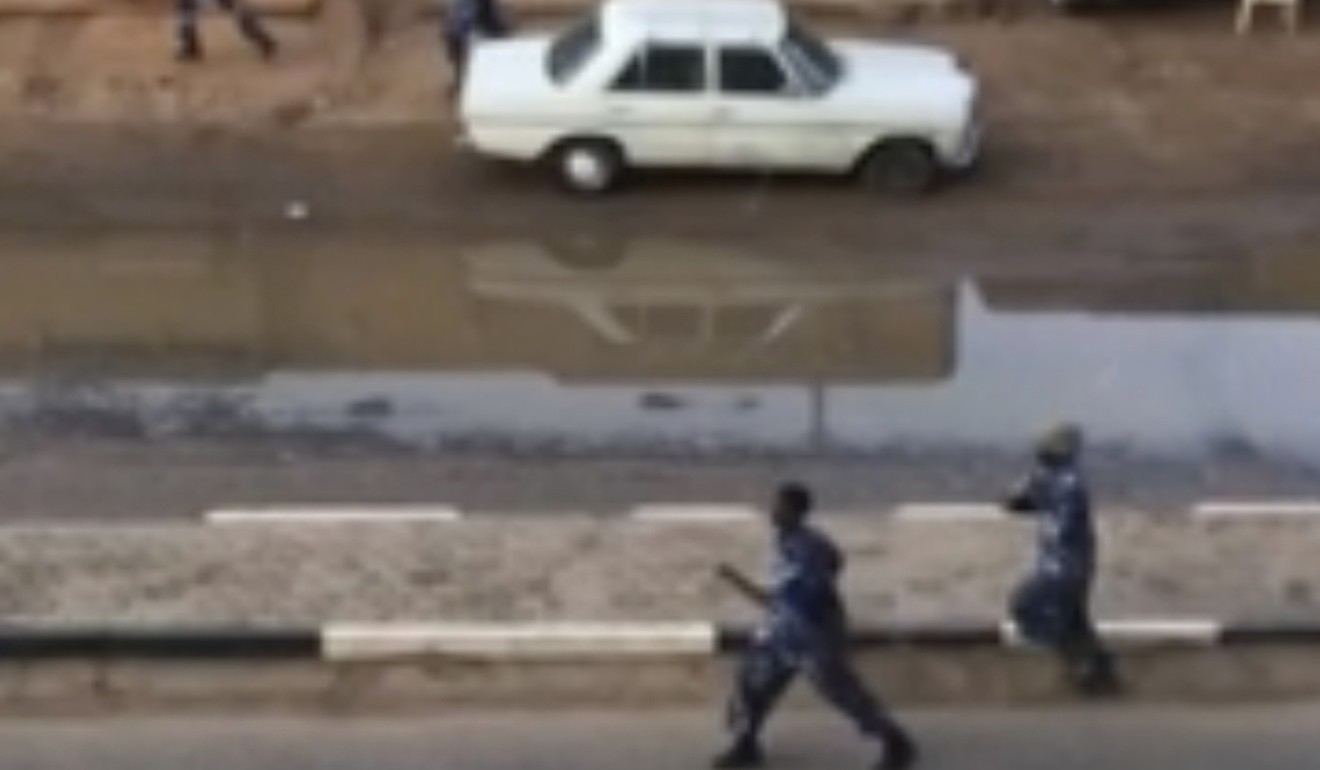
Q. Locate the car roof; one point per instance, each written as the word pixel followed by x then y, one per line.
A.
pixel 762 21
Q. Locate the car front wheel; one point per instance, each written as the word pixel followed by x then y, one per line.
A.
pixel 588 166
pixel 900 167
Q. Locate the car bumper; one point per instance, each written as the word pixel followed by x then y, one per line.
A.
pixel 967 150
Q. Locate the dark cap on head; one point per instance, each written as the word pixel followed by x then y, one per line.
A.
pixel 1061 442
pixel 793 502
pixel 794 495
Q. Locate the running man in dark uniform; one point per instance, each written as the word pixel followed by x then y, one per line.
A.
pixel 806 631
pixel 1052 605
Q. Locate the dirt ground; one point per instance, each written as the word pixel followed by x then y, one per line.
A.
pixel 1125 137
pixel 1116 134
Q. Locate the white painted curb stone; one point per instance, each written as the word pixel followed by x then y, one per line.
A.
pixel 519 641
pixel 694 513
pixel 1247 509
pixel 334 514
pixel 949 512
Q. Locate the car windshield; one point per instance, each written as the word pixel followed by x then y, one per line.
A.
pixel 572 48
pixel 819 65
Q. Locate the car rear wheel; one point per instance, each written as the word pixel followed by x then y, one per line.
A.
pixel 588 166
pixel 901 167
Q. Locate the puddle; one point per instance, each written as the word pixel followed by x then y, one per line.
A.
pixel 652 343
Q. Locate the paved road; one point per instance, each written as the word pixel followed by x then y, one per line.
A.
pixel 1263 739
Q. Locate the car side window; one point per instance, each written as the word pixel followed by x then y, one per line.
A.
pixel 751 71
pixel 664 69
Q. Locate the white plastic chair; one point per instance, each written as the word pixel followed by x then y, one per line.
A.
pixel 1290 12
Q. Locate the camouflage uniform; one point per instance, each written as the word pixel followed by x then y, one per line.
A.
pixel 807 632
pixel 1052 605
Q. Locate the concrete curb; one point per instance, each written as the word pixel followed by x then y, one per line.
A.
pixel 333 514
pixel 573 641
pixel 422 668
pixel 68 642
pixel 1186 632
pixel 731 512
pixel 518 641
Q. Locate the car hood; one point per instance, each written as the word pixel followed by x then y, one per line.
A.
pixel 894 59
pixel 506 73
pixel 883 74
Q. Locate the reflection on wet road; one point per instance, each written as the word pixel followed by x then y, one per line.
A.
pixel 656 340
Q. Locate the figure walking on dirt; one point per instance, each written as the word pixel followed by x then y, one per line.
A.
pixel 806 631
pixel 466 21
pixel 1052 605
pixel 190 41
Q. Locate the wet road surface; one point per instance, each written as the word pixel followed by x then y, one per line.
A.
pixel 157 373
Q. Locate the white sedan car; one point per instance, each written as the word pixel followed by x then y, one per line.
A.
pixel 719 84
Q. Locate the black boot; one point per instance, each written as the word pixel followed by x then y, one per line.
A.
pixel 1092 674
pixel 1098 680
pixel 744 753
pixel 898 751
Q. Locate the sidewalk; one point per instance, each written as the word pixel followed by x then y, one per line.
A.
pixel 525 569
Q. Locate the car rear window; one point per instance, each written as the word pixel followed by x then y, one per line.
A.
pixel 573 48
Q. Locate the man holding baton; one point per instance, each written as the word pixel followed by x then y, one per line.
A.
pixel 806 630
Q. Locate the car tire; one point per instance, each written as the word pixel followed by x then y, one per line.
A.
pixel 901 168
pixel 588 166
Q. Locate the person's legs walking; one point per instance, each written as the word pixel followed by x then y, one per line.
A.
pixel 831 671
pixel 1090 666
pixel 251 27
pixel 1034 610
pixel 456 49
pixel 189 43
pixel 763 676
